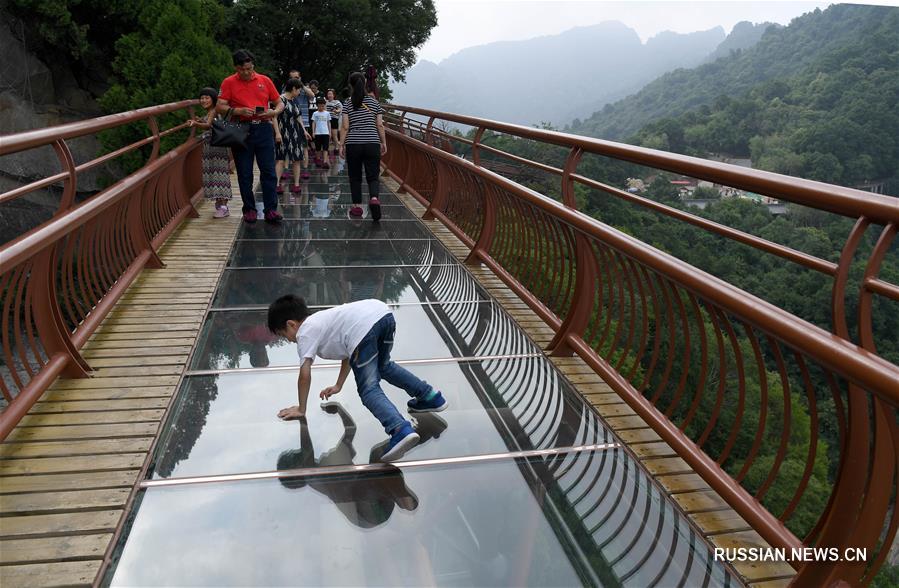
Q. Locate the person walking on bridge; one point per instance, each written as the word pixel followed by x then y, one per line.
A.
pixel 362 142
pixel 247 95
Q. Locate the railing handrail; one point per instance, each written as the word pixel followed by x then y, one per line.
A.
pixel 27 245
pixel 837 199
pixel 16 142
pixel 855 363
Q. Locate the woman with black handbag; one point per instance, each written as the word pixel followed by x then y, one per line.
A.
pixel 216 160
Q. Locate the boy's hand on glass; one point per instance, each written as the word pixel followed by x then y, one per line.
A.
pixel 329 392
pixel 291 412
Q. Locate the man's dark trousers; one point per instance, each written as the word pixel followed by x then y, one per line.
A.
pixel 261 146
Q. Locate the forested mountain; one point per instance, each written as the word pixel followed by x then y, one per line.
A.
pixel 554 78
pixel 843 37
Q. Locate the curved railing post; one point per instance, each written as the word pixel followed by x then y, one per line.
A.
pixel 429 139
pixel 574 157
pixel 406 159
pixel 52 331
pixel 582 301
pixel 488 230
pixel 154 128
pixel 476 146
pixel 438 202
pixel 70 184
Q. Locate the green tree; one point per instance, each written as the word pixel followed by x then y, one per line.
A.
pixel 327 40
pixel 170 57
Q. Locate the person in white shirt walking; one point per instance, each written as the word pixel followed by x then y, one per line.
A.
pixel 360 334
pixel 321 124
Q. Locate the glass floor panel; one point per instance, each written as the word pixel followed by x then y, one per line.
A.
pixel 503 523
pixel 227 423
pixel 355 252
pixel 331 229
pixel 240 339
pixel 337 195
pixel 332 286
pixel 324 209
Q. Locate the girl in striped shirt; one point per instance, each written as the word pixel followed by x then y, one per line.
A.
pixel 362 142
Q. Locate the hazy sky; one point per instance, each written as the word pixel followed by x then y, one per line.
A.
pixel 465 23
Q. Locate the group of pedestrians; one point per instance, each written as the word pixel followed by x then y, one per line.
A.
pixel 281 129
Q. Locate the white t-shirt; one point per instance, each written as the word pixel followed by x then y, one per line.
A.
pixel 334 333
pixel 322 122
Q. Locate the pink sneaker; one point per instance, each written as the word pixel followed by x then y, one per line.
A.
pixel 356 211
pixel 279 189
pixel 273 216
pixel 295 189
pixel 374 205
pixel 249 216
pixel 305 175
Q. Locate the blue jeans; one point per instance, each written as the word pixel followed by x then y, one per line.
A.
pixel 261 146
pixel 371 363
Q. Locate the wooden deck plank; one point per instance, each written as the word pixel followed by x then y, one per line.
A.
pixel 95 431
pixel 46 575
pixel 144 370
pixel 700 501
pixel 57 524
pixel 59 465
pixel 72 447
pixel 54 549
pixel 139 360
pixel 100 405
pixel 63 482
pixel 720 521
pixel 90 418
pixel 33 503
pixel 128 342
pixel 95 383
pixel 108 394
pixel 136 352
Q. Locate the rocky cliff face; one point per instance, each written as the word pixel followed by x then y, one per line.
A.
pixel 33 96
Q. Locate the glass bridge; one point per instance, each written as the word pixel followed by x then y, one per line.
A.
pixel 519 482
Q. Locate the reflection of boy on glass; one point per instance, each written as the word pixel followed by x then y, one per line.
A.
pixel 360 334
pixel 366 502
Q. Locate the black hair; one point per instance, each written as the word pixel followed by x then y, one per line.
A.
pixel 242 56
pixel 292 84
pixel 286 308
pixel 313 83
pixel 212 93
pixel 319 100
pixel 357 87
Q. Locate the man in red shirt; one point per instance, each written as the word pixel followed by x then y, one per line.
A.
pixel 249 94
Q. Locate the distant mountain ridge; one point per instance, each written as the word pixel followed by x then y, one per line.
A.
pixel 781 52
pixel 554 78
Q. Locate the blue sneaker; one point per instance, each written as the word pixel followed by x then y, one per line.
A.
pixel 404 439
pixel 435 403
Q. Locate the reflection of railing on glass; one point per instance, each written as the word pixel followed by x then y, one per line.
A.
pixel 711 368
pixel 590 487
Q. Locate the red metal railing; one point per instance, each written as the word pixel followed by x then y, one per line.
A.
pixel 59 280
pixel 736 385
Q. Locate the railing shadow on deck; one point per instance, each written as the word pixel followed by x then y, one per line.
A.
pixel 59 280
pixel 740 388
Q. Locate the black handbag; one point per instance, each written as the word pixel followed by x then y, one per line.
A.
pixel 229 134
